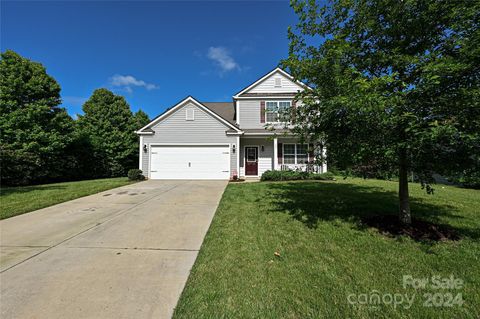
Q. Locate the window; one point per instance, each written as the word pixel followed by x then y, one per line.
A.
pixel 289 153
pixel 302 154
pixel 278 82
pixel 295 153
pixel 271 112
pixel 275 111
pixel 190 114
pixel 251 154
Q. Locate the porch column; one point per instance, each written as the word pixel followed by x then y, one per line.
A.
pixel 140 154
pixel 275 153
pixel 324 155
pixel 238 156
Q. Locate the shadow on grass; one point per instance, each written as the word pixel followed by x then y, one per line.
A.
pixel 311 202
pixel 5 191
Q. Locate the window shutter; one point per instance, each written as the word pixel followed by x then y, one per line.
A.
pixel 262 111
pixel 280 153
pixel 294 110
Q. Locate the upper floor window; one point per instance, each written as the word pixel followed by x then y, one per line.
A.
pixel 275 111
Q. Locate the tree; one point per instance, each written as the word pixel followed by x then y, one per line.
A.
pixel 141 119
pixel 109 125
pixel 396 84
pixel 34 130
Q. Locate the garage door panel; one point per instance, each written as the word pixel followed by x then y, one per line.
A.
pixel 190 162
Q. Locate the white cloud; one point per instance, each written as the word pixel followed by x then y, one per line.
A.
pixel 221 56
pixel 126 82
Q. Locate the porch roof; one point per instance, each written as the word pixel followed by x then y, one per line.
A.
pixel 262 131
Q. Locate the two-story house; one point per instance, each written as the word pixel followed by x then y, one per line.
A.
pixel 220 140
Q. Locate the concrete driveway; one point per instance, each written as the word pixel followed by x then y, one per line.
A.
pixel 122 253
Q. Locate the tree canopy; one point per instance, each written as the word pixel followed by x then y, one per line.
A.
pixel 396 84
pixel 110 125
pixel 34 129
pixel 141 119
pixel 40 142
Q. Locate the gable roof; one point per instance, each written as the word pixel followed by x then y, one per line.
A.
pixel 219 107
pixel 284 73
pixel 225 110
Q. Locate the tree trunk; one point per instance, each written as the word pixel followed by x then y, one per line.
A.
pixel 404 211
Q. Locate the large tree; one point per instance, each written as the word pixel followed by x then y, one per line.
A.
pixel 34 130
pixel 109 125
pixel 141 119
pixel 396 84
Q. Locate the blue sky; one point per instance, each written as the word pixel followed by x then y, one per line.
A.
pixel 155 52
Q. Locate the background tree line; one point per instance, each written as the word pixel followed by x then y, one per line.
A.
pixel 41 143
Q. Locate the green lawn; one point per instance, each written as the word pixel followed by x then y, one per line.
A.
pixel 327 255
pixel 20 200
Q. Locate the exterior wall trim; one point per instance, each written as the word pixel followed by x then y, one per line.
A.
pixel 268 75
pixel 275 153
pixel 238 156
pixel 140 156
pixel 285 97
pixel 237 113
pixel 266 134
pixel 189 144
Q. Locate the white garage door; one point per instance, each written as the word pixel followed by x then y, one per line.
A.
pixel 190 162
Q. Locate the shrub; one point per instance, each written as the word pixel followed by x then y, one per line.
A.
pixel 294 175
pixel 135 174
pixel 468 179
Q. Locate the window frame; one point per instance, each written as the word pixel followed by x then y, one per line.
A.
pixel 301 154
pixel 247 155
pixel 192 111
pixel 295 154
pixel 277 112
pixel 277 82
pixel 290 154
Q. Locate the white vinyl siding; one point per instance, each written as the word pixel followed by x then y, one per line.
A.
pixel 268 85
pixel 249 111
pixel 249 114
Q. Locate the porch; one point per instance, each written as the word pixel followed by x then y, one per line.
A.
pixel 262 153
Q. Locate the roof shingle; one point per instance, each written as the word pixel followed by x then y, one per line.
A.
pixel 225 110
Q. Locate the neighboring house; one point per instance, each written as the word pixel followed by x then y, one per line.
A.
pixel 220 140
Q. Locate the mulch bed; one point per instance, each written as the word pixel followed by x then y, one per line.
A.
pixel 419 230
pixel 237 180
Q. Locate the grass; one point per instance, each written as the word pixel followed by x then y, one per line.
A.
pixel 19 200
pixel 326 254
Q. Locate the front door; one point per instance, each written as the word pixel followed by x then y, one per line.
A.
pixel 251 160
